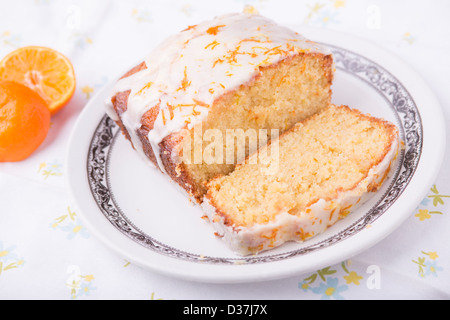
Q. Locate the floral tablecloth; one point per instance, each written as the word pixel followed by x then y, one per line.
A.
pixel 47 253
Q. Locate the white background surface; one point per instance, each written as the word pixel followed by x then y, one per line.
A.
pixel 42 256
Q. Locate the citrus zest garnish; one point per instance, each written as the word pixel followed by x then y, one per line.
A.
pixel 217 61
pixel 201 103
pixel 147 86
pixel 212 45
pixel 185 82
pixel 190 27
pixel 214 30
pixel 163 117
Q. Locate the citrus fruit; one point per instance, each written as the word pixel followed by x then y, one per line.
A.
pixel 24 121
pixel 44 70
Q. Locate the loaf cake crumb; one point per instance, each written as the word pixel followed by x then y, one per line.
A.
pixel 326 164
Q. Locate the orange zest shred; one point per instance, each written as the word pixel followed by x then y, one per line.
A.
pixel 264 62
pixel 262 48
pixel 275 50
pixel 185 82
pixel 231 58
pixel 272 235
pixel 283 78
pixel 183 105
pixel 304 235
pixel 291 47
pixel 190 27
pixel 171 109
pixel 303 67
pixel 163 117
pixel 212 45
pixel 147 86
pixel 252 39
pixel 217 61
pixel 195 112
pixel 214 30
pixel 200 103
pixel 332 214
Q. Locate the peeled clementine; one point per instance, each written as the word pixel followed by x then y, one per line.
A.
pixel 44 70
pixel 24 121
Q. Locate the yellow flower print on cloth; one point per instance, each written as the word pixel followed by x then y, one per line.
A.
pixel 79 284
pixel 80 40
pixel 152 297
pixel 142 15
pixel 428 264
pixel 353 277
pixel 69 224
pixel 9 259
pixel 409 38
pixel 52 169
pixel 436 198
pixel 89 90
pixel 331 283
pixel 9 39
pixel 324 14
pixel 425 214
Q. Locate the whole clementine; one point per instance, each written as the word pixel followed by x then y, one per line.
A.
pixel 24 121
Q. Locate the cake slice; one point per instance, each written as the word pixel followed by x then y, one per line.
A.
pixel 237 71
pixel 300 184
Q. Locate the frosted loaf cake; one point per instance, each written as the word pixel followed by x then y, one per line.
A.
pixel 237 71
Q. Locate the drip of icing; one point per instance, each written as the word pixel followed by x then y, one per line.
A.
pixel 110 110
pixel 187 72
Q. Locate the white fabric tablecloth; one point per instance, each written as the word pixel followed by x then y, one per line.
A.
pixel 45 251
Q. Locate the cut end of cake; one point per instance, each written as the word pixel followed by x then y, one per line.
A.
pixel 298 185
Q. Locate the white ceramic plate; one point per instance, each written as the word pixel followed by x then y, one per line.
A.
pixel 138 213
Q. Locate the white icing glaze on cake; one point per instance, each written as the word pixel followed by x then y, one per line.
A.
pixel 312 221
pixel 187 72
